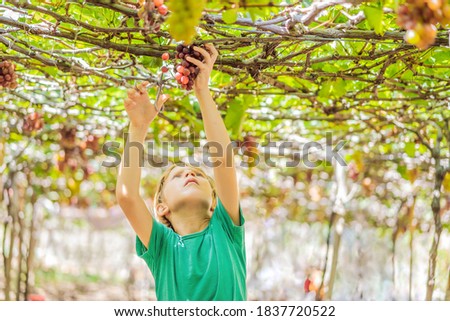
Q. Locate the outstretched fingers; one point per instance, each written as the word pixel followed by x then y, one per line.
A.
pixel 162 99
pixel 129 103
pixel 138 89
pixel 196 62
pixel 142 86
pixel 214 52
pixel 206 55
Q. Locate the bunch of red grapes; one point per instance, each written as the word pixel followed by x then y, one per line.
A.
pixel 8 76
pixel 249 148
pixel 153 12
pixel 32 122
pixel 91 142
pixel 73 151
pixel 419 18
pixel 68 137
pixel 186 72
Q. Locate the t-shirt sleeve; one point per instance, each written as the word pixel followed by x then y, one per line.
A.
pixel 235 232
pixel 150 253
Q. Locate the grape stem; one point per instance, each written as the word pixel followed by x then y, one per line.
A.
pixel 158 93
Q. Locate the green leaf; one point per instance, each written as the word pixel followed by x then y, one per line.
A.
pixel 230 15
pixel 130 23
pixel 52 71
pixel 335 88
pixel 407 75
pixel 258 12
pixel 196 107
pixel 437 55
pixel 410 149
pixel 37 16
pixel 422 149
pixel 401 169
pixel 150 62
pixel 374 16
pixel 235 117
pixel 331 68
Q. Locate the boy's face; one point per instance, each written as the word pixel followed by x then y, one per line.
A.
pixel 186 185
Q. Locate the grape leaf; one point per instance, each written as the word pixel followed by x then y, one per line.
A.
pixel 374 17
pixel 335 88
pixel 235 117
pixel 230 15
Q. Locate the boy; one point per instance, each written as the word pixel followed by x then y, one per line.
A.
pixel 199 251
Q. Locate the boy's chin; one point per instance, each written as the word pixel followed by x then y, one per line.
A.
pixel 193 192
pixel 193 200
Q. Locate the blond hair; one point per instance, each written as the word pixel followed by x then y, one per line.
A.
pixel 159 188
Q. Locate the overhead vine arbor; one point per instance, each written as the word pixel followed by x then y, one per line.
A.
pixel 292 68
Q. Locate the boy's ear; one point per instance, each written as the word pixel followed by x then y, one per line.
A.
pixel 162 209
pixel 214 204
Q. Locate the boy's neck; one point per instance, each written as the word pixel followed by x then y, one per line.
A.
pixel 190 221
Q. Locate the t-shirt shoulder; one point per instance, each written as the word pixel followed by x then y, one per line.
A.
pixel 220 214
pixel 150 252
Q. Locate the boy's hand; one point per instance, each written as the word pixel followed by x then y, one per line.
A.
pixel 139 108
pixel 201 83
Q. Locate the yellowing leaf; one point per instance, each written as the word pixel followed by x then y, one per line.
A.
pixel 185 16
pixel 446 183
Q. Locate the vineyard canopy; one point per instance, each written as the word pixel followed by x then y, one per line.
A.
pixel 339 66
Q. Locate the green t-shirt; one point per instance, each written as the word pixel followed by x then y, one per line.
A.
pixel 203 266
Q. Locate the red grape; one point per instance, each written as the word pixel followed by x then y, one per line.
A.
pixel 163 10
pixel 180 69
pixel 184 80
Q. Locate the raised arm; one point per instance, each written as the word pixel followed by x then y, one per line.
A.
pixel 225 174
pixel 141 113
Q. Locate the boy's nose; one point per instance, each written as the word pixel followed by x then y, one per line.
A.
pixel 190 172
